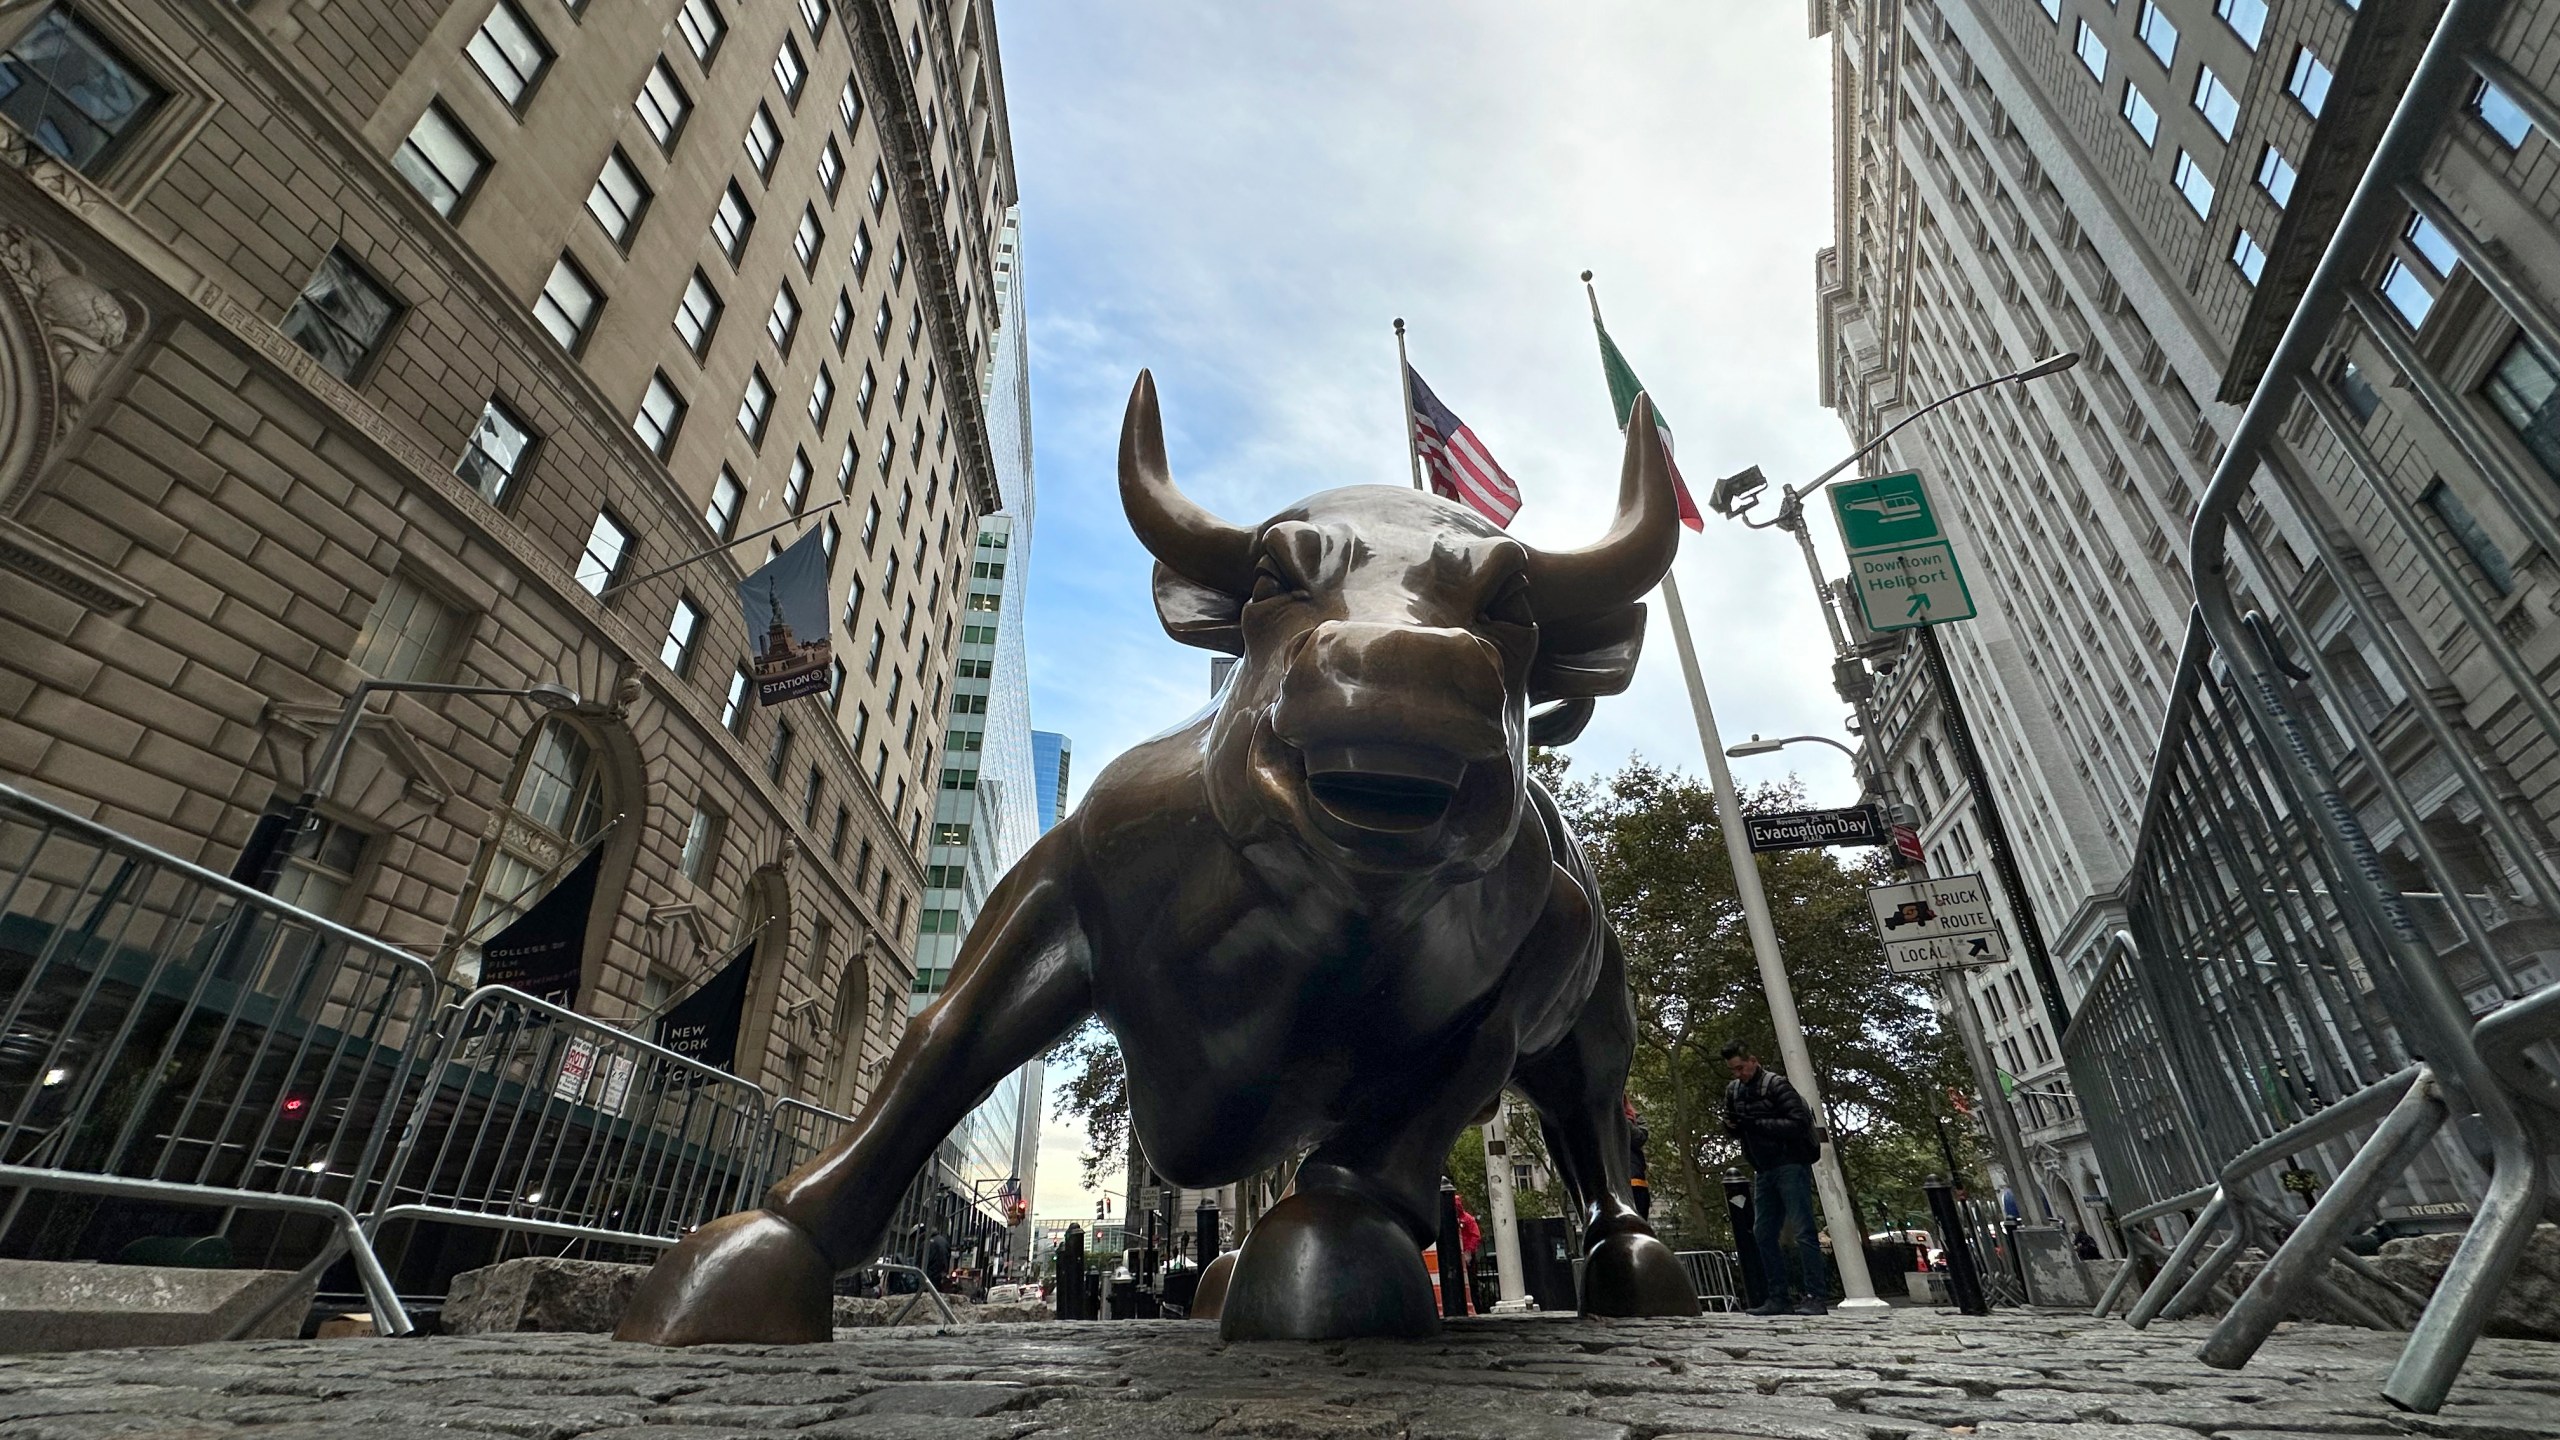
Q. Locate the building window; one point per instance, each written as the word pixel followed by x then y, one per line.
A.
pixel 2248 257
pixel 663 105
pixel 915 324
pixel 698 313
pixel 840 323
pixel 2157 33
pixel 568 305
pixel 728 499
pixel 608 545
pixel 661 416
pixel 898 263
pixel 898 390
pixel 888 454
pixel 407 635
pixel 496 453
pixel 439 160
pixel 619 199
pixel 822 397
pixel 790 71
pixel 780 753
pixel 755 406
pixel 342 316
pixel 2525 388
pixel 871 657
pixel 844 467
pixel 702 844
pixel 318 877
pixel 2139 114
pixel 2407 293
pixel 732 221
pixel 831 541
pixel 764 143
pixel 2308 81
pixel 807 240
pixel 2499 113
pixel 2191 181
pixel 879 188
pixel 783 323
pixel 830 169
pixel 880 323
pixel 733 708
pixel 852 604
pixel 864 389
pixel 2275 176
pixel 861 726
pixel 2355 392
pixel 2432 246
pixel 509 54
pixel 2459 522
pixel 2247 19
pixel 861 253
pixel 849 107
pixel 2412 289
pixel 71 92
pixel 2092 51
pixel 813 13
pixel 870 525
pixel 683 625
pixel 703 29
pixel 811 791
pixel 2215 102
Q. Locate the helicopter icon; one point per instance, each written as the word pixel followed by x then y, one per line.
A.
pixel 1892 509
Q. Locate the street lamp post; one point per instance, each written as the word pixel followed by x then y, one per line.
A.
pixel 333 754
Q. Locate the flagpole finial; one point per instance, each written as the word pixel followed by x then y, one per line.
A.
pixel 1586 277
pixel 1399 324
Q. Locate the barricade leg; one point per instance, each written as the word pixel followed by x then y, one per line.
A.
pixel 2156 1296
pixel 2304 1257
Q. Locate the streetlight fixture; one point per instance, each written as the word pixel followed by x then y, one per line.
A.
pixel 1757 746
pixel 288 836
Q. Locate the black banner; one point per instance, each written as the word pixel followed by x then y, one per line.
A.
pixel 539 954
pixel 703 1026
pixel 1814 829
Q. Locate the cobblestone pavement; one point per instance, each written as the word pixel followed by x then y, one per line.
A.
pixel 1906 1374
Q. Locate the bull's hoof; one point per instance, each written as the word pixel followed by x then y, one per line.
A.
pixel 752 1278
pixel 1211 1296
pixel 1327 1264
pixel 1629 1272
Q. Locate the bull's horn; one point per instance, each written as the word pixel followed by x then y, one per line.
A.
pixel 1633 557
pixel 1190 541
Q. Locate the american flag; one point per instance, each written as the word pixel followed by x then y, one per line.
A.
pixel 1459 465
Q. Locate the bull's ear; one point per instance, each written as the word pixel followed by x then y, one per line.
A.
pixel 1195 614
pixel 1591 655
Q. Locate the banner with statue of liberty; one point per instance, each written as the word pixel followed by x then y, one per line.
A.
pixel 785 604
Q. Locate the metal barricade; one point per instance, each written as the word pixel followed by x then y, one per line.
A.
pixel 799 1130
pixel 172 1042
pixel 2285 967
pixel 535 1119
pixel 1716 1277
pixel 1993 1236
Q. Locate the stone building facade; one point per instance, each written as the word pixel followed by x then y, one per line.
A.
pixel 2150 183
pixel 418 341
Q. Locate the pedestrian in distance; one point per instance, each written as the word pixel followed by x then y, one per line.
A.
pixel 1637 1185
pixel 1777 1133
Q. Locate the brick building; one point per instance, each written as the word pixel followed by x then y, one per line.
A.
pixel 2151 183
pixel 416 341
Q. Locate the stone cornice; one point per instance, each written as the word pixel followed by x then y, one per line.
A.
pixel 879 58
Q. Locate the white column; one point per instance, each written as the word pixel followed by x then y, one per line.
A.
pixel 1848 1246
pixel 1500 1213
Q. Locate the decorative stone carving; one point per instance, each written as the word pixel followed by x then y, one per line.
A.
pixel 60 333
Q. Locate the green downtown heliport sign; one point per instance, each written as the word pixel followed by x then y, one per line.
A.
pixel 1901 566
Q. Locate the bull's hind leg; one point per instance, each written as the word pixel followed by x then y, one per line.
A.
pixel 1342 1255
pixel 766 1275
pixel 1579 1086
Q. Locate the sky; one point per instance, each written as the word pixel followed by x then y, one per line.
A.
pixel 1245 197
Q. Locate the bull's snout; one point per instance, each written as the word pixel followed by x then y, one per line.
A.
pixel 1388 717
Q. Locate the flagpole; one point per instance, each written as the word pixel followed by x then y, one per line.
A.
pixel 1848 1247
pixel 1404 383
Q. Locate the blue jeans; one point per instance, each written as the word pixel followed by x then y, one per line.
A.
pixel 1782 1199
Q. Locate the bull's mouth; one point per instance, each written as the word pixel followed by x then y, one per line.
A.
pixel 1385 789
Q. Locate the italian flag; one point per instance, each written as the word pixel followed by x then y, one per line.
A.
pixel 1623 390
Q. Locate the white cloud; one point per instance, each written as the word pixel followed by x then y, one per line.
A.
pixel 1243 197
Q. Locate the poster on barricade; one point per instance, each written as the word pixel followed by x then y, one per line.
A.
pixel 540 953
pixel 785 604
pixel 703 1026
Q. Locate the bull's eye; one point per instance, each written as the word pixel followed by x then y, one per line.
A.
pixel 1269 583
pixel 1510 604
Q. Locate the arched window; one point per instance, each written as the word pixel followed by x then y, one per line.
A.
pixel 556 806
pixel 845 1036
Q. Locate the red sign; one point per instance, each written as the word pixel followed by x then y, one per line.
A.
pixel 1906 843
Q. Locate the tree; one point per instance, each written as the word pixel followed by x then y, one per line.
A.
pixel 1096 1093
pixel 1874 1037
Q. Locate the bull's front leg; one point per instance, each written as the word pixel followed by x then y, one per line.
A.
pixel 767 1275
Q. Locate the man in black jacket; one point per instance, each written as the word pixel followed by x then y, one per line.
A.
pixel 1777 1133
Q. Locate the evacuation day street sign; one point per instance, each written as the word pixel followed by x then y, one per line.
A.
pixel 1901 566
pixel 1943 923
pixel 1815 829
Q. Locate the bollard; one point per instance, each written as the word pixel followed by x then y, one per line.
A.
pixel 1070 1286
pixel 1205 1224
pixel 1453 1263
pixel 1746 1246
pixel 1964 1281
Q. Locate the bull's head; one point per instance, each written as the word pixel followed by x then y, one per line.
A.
pixel 1392 643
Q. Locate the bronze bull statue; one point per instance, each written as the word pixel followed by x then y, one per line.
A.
pixel 1331 914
